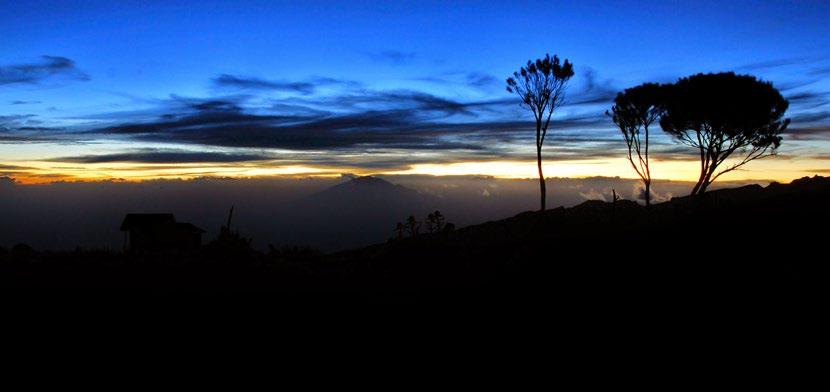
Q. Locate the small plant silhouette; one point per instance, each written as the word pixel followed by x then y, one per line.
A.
pixel 413 227
pixel 435 222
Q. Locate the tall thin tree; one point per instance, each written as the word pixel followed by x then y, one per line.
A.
pixel 634 110
pixel 541 86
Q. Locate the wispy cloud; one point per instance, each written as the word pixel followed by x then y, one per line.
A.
pixel 592 90
pixel 48 67
pixel 478 80
pixel 360 127
pixel 161 156
pixel 251 83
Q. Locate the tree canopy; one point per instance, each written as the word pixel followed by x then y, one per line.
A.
pixel 724 116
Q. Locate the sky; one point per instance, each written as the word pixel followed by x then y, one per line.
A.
pixel 136 90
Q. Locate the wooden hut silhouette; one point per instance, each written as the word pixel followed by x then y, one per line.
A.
pixel 159 232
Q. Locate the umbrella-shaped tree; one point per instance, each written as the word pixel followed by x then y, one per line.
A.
pixel 541 86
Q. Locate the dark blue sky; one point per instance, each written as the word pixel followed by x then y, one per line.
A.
pixel 86 71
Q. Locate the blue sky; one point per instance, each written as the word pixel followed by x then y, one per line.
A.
pixel 112 66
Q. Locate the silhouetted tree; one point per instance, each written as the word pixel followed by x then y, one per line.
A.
pixel 541 86
pixel 724 115
pixel 413 226
pixel 435 222
pixel 634 110
pixel 399 229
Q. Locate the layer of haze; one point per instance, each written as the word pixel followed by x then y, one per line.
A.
pixel 285 211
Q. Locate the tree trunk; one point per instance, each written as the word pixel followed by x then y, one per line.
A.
pixel 705 186
pixel 707 180
pixel 700 180
pixel 648 193
pixel 542 189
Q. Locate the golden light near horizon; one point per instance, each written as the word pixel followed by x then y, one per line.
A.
pixel 765 170
pixel 771 169
pixel 41 163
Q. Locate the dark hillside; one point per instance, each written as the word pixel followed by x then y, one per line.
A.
pixel 730 248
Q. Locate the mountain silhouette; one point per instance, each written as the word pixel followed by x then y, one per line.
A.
pixel 369 189
pixel 358 212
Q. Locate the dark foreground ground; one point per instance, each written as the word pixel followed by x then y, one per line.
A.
pixel 731 250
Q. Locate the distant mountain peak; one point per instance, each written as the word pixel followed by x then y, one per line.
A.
pixel 372 189
pixel 369 180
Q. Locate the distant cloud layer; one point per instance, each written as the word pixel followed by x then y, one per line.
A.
pixel 163 156
pixel 36 72
pixel 355 122
pixel 339 123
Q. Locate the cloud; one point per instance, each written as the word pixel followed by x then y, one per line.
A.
pixel 48 67
pixel 593 90
pixel 305 87
pixel 165 156
pixel 478 79
pixel 818 132
pixel 355 126
pixel 820 71
pixel 777 63
pixel 14 167
pixel 593 194
pixel 24 102
pixel 811 117
pixel 390 129
pixel 27 128
pixel 250 83
pixel 809 99
pixel 639 193
pixel 407 121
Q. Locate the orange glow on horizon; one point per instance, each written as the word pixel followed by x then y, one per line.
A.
pixel 38 172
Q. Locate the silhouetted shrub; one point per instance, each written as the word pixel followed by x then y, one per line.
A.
pixel 435 222
pixel 413 227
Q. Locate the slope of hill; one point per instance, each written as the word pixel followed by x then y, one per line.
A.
pixel 728 249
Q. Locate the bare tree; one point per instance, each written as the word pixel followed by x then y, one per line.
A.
pixel 634 110
pixel 724 116
pixel 541 86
